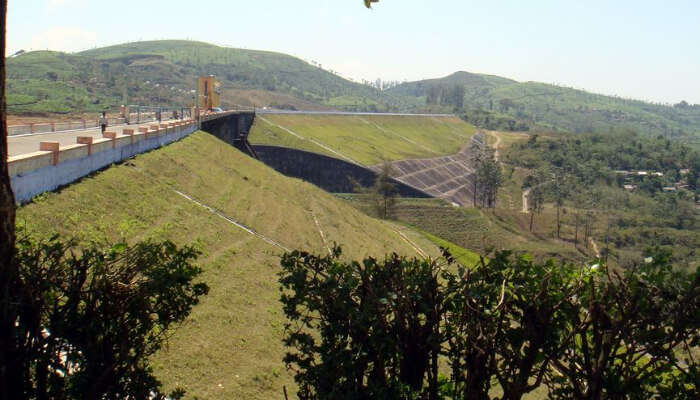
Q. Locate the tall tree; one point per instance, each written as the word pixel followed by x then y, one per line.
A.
pixel 8 271
pixel 488 178
pixel 384 191
pixel 560 192
pixel 535 202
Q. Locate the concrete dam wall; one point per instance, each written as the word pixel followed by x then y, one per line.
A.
pixel 232 129
pixel 330 174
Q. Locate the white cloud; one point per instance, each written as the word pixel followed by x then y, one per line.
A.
pixel 64 38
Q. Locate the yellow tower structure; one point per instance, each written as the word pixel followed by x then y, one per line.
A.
pixel 207 87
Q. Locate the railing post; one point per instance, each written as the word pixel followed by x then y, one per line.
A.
pixel 85 140
pixel 53 147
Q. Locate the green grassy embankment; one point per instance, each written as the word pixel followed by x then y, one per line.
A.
pixel 368 140
pixel 230 346
pixel 478 231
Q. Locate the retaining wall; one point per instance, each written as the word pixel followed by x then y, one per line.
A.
pixel 330 174
pixel 54 166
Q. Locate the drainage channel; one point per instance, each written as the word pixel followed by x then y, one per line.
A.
pixel 249 230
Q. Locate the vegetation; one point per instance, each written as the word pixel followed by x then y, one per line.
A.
pixel 165 72
pixel 230 345
pixel 487 180
pixel 376 329
pixel 10 359
pixel 503 104
pixel 628 191
pixel 90 318
pixel 368 140
pixel 382 193
pixel 474 230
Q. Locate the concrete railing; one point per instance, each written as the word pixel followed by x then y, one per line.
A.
pixel 59 126
pixel 54 165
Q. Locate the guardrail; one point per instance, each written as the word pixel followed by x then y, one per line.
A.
pixel 136 115
pixel 55 165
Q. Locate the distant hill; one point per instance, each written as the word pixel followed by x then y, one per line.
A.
pixel 501 103
pixel 162 72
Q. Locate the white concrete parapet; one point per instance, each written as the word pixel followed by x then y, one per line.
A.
pixel 54 166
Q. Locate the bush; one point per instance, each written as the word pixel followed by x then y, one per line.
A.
pixel 377 329
pixel 89 318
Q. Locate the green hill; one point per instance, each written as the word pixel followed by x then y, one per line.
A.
pixel 366 139
pixel 164 72
pixel 230 346
pixel 492 102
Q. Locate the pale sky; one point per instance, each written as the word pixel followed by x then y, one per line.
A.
pixel 641 49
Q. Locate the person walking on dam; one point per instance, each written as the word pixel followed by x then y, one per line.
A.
pixel 103 122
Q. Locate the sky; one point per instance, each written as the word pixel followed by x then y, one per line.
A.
pixel 642 49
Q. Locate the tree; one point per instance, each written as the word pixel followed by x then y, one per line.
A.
pixel 361 330
pixel 382 193
pixel 560 191
pixel 455 96
pixel 633 335
pixel 377 329
pixel 503 319
pixel 91 318
pixel 535 196
pixel 488 179
pixel 385 191
pixel 9 355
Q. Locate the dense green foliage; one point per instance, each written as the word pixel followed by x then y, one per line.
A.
pixel 638 191
pixel 376 329
pixel 605 157
pixel 90 318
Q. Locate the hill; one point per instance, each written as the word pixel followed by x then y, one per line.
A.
pixel 164 72
pixel 499 103
pixel 365 139
pixel 230 346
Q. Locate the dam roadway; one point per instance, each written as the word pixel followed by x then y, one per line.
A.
pixel 29 143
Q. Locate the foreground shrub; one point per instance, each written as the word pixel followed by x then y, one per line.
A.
pixel 380 329
pixel 89 318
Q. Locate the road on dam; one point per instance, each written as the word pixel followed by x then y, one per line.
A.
pixel 29 143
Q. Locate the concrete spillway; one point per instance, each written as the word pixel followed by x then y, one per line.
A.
pixel 448 177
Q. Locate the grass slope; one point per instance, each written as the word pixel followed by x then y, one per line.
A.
pixel 468 232
pixel 230 347
pixel 368 140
